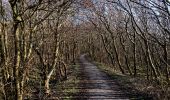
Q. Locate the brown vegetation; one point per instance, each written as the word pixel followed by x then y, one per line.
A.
pixel 40 39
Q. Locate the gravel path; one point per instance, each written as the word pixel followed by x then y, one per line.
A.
pixel 96 85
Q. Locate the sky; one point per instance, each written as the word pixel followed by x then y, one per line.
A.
pixel 7 9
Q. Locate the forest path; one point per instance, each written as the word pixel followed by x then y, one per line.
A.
pixel 96 85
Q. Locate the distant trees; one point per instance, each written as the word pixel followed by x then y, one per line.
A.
pixel 39 39
pixel 134 34
pixel 132 37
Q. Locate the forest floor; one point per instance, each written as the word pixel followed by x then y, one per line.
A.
pixel 91 83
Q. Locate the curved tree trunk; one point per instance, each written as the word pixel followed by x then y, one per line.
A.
pixel 117 58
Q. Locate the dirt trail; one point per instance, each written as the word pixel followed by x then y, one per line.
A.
pixel 96 85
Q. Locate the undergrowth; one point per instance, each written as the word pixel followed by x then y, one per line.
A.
pixel 138 84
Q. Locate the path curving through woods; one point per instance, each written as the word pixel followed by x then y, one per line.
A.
pixel 96 85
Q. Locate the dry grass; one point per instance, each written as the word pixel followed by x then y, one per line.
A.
pixel 140 84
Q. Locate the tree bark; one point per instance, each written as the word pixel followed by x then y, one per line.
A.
pixel 148 53
pixel 117 58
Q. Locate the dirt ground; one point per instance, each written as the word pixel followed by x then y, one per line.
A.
pixel 95 84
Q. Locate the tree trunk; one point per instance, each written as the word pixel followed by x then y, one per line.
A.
pixel 47 80
pixel 117 58
pixel 166 60
pixel 107 51
pixel 150 61
pixel 125 56
pixel 17 62
pixel 17 53
pixel 134 55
